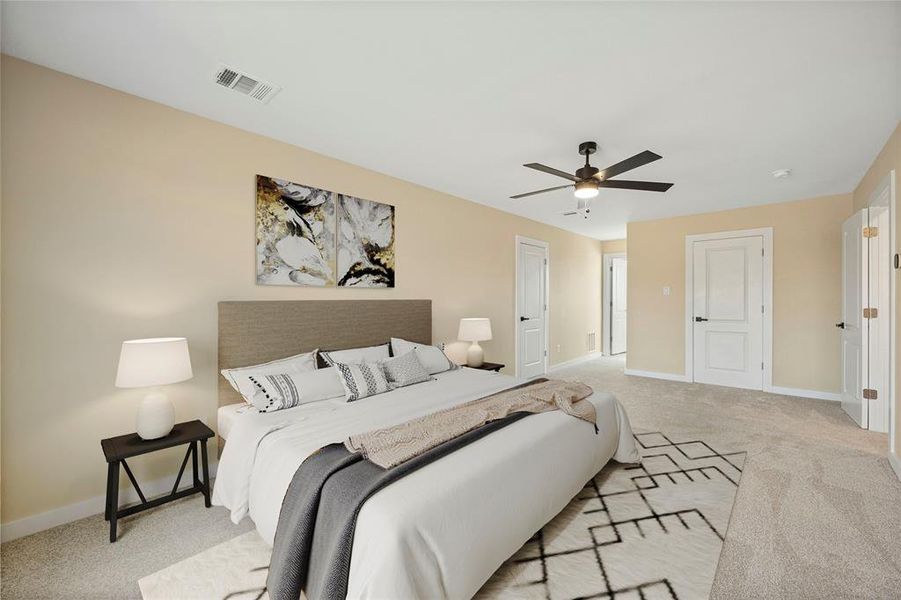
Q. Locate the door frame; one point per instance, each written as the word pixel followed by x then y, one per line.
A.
pixel 887 186
pixel 519 240
pixel 767 234
pixel 606 300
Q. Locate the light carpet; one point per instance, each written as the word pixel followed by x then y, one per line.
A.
pixel 649 531
pixel 818 513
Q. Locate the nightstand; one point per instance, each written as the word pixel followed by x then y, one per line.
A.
pixel 487 366
pixel 117 449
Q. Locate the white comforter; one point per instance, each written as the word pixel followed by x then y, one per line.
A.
pixel 439 532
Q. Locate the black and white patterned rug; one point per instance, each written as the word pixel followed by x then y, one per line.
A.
pixel 648 531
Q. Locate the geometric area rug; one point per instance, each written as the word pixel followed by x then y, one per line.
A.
pixel 646 531
pixel 649 531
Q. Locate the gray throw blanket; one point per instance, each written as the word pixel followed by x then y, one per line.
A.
pixel 315 533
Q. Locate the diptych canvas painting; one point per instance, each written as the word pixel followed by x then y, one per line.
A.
pixel 312 237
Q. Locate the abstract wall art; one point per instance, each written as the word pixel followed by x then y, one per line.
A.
pixel 313 237
pixel 365 243
pixel 295 234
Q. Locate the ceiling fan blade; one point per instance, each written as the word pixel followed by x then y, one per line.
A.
pixel 647 186
pixel 559 187
pixel 639 160
pixel 552 171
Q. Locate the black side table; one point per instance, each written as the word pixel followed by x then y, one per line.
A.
pixel 117 449
pixel 487 366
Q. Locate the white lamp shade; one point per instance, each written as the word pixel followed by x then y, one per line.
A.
pixel 155 361
pixel 474 330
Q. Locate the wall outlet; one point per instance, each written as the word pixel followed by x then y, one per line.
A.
pixel 558 347
pixel 667 290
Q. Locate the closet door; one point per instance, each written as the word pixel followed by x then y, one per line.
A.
pixel 728 312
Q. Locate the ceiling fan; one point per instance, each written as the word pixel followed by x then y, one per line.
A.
pixel 588 180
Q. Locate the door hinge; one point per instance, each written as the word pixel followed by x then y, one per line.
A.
pixel 870 313
pixel 761 309
pixel 870 232
pixel 870 394
pixel 761 366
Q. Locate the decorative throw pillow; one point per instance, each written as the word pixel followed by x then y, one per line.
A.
pixel 405 370
pixel 239 378
pixel 432 358
pixel 278 391
pixel 355 356
pixel 362 380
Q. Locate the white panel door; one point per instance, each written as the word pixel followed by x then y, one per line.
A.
pixel 854 348
pixel 728 312
pixel 532 298
pixel 617 305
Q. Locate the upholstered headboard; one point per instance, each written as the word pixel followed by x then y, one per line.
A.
pixel 255 332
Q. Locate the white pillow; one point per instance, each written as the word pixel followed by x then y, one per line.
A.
pixel 355 356
pixel 238 378
pixel 432 358
pixel 277 391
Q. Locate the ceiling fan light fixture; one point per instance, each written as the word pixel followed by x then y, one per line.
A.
pixel 586 189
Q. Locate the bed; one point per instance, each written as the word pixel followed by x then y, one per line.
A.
pixel 439 532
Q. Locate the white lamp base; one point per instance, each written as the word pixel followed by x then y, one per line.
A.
pixel 156 416
pixel 475 356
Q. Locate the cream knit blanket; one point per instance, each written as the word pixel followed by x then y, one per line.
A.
pixel 391 446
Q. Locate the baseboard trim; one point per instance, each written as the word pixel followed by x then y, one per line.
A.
pixel 895 462
pixel 783 391
pixel 574 361
pixel 656 375
pixel 815 394
pixel 92 506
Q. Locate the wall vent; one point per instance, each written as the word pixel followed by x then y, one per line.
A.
pixel 248 85
pixel 592 340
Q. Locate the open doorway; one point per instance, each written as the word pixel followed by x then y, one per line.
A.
pixel 614 303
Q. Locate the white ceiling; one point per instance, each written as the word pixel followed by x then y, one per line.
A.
pixel 457 96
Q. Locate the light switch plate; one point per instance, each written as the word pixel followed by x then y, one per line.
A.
pixel 666 290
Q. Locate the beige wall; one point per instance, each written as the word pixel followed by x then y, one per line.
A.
pixel 806 288
pixel 123 218
pixel 889 159
pixel 613 246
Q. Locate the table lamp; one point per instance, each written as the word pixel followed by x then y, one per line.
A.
pixel 150 363
pixel 475 331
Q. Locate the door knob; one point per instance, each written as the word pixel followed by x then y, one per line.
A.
pixel 840 325
pixel 700 319
pixel 523 319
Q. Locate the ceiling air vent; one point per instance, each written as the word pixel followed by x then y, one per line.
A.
pixel 246 84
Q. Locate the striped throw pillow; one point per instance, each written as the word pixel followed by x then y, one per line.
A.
pixel 362 380
pixel 278 391
pixel 274 392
